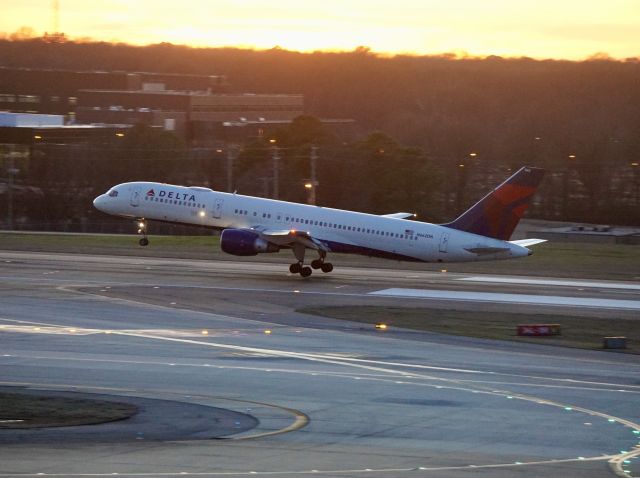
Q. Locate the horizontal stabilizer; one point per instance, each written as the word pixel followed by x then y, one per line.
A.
pixel 400 215
pixel 528 242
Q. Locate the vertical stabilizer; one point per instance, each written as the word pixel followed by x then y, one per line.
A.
pixel 498 213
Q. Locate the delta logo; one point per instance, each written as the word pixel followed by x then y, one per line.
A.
pixel 172 195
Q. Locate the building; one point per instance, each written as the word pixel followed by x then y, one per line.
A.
pixel 28 129
pixel 198 108
pixel 196 116
pixel 27 90
pixel 193 106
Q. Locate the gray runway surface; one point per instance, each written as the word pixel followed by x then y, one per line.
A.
pixel 330 398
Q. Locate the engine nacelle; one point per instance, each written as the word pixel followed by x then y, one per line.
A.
pixel 241 242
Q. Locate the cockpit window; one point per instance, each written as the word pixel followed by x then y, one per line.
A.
pixel 113 193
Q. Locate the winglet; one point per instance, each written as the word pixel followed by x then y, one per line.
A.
pixel 498 213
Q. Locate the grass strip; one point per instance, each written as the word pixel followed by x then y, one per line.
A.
pixel 19 410
pixel 576 332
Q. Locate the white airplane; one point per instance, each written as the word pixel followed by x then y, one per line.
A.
pixel 252 225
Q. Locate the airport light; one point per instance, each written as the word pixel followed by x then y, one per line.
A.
pixel 37 136
pixel 120 135
pixel 473 155
pixel 572 156
pixel 308 185
pixel 635 164
pixel 273 141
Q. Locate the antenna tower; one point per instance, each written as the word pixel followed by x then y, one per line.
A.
pixel 56 16
pixel 56 36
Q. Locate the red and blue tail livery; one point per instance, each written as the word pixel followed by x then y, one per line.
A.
pixel 498 213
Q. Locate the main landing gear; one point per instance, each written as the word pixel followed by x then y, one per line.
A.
pixel 142 229
pixel 305 271
pixel 323 266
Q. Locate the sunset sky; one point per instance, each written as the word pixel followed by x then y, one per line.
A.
pixel 571 29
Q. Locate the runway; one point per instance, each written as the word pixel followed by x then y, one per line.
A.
pixel 321 397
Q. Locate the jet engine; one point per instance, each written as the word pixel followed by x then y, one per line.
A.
pixel 242 242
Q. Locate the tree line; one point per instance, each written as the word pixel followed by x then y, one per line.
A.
pixel 434 132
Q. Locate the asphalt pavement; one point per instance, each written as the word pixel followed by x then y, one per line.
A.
pixel 235 382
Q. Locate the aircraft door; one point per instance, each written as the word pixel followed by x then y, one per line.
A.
pixel 444 242
pixel 217 208
pixel 135 197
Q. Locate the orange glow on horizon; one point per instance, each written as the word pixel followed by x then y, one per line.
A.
pixel 570 29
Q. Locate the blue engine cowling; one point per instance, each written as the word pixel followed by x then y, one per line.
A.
pixel 241 242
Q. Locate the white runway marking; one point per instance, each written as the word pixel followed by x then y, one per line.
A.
pixel 553 282
pixel 551 300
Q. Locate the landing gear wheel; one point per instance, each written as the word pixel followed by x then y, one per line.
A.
pixel 295 268
pixel 142 230
pixel 306 271
pixel 316 264
pixel 326 267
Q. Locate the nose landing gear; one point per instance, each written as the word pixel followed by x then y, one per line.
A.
pixel 142 229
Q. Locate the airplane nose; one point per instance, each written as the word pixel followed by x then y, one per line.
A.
pixel 98 202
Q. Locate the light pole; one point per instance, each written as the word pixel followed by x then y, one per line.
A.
pixel 635 166
pixel 566 185
pixel 231 157
pixel 11 172
pixel 313 183
pixel 275 155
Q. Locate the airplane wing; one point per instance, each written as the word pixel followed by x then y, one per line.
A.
pixel 528 242
pixel 289 237
pixel 399 215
